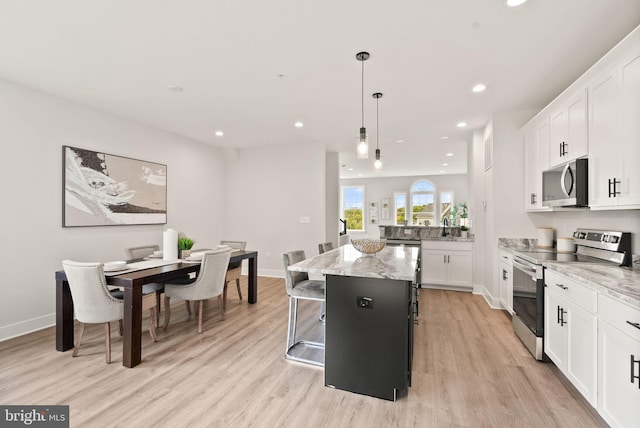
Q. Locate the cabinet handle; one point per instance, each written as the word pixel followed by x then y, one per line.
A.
pixel 635 324
pixel 561 313
pixel 633 375
pixel 564 287
pixel 505 276
pixel 444 257
pixel 563 151
pixel 613 183
pixel 560 149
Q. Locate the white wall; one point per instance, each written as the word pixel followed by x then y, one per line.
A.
pixel 33 128
pixel 385 187
pixel 268 190
pixel 332 198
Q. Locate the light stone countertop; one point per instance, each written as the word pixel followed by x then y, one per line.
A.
pixel 390 263
pixel 618 282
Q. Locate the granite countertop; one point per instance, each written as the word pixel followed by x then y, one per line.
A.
pixel 618 282
pixel 390 263
pixel 424 233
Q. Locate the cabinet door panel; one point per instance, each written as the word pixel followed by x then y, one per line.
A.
pixel 555 335
pixel 582 351
pixel 630 129
pixel 559 136
pixel 577 127
pixel 433 267
pixel 618 398
pixel 459 268
pixel 603 138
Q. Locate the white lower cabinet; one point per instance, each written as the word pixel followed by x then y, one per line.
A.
pixel 505 278
pixel 570 331
pixel 618 363
pixel 447 264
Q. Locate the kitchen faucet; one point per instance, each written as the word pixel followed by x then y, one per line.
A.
pixel 445 223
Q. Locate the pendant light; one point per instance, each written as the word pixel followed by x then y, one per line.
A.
pixel 363 144
pixel 378 163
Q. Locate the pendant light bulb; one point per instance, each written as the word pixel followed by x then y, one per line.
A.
pixel 378 163
pixel 363 144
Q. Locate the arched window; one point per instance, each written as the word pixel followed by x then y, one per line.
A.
pixel 423 206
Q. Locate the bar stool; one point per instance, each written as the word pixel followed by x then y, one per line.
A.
pixel 299 286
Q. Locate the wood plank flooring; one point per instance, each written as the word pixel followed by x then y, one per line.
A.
pixel 469 371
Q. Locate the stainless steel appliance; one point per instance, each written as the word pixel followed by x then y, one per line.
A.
pixel 595 246
pixel 566 185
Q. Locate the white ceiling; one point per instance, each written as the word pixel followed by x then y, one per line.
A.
pixel 122 55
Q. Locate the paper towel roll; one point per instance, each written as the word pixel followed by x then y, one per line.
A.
pixel 170 244
pixel 545 237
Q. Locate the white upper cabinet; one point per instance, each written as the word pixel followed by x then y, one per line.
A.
pixel 614 135
pixel 536 160
pixel 568 137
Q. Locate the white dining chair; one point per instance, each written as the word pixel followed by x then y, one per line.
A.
pixel 92 301
pixel 234 271
pixel 209 283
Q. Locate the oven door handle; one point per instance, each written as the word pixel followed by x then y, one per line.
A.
pixel 524 268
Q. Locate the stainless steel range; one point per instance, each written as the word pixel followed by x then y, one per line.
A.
pixel 594 246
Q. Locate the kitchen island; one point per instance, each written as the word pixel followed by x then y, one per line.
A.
pixel 370 309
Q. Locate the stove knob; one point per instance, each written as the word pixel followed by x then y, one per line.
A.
pixel 614 239
pixel 576 234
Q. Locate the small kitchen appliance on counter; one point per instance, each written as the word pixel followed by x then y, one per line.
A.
pixel 594 246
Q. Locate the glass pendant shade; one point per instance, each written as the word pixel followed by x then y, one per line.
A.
pixel 378 163
pixel 363 145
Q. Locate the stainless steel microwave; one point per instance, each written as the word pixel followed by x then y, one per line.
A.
pixel 566 185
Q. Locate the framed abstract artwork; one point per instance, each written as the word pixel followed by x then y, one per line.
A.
pixel 108 190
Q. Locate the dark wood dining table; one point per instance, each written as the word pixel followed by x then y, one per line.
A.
pixel 132 283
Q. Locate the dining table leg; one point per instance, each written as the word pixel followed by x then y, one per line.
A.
pixel 132 336
pixel 253 279
pixel 64 316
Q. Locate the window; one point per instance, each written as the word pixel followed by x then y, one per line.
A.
pixel 353 207
pixel 401 208
pixel 446 203
pixel 423 207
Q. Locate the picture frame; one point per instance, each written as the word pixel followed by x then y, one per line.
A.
pixel 101 189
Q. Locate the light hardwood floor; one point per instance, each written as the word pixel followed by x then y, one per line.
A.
pixel 469 371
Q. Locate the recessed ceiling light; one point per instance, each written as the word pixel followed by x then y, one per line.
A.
pixel 445 164
pixel 514 3
pixel 176 88
pixel 449 154
pixel 461 124
pixel 444 138
pixel 359 175
pixel 479 87
pixel 442 170
pixel 219 133
pixel 349 169
pixel 399 141
pixel 298 124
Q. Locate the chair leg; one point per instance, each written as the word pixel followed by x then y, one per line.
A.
pixel 79 340
pixel 153 323
pixel 200 304
pixel 158 302
pixel 293 318
pixel 187 305
pixel 167 311
pixel 238 287
pixel 224 295
pixel 120 327
pixel 107 336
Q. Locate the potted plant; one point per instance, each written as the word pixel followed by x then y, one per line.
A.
pixel 464 231
pixel 184 246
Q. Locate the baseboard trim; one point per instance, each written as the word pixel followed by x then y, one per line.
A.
pixel 491 301
pixel 25 327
